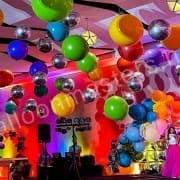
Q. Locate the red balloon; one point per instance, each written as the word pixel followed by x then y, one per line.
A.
pixel 131 52
pixel 124 64
pixel 6 77
pixel 15 100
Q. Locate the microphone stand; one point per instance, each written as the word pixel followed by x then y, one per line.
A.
pixel 74 171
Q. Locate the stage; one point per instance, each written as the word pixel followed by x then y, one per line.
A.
pixel 118 177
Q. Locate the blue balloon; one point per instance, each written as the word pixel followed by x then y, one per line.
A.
pixel 17 49
pixel 10 107
pixel 124 159
pixel 123 139
pixel 38 67
pixel 148 104
pixel 133 134
pixel 137 112
pixel 139 146
pixel 58 31
pixel 151 116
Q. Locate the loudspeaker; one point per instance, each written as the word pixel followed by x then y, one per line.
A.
pixel 44 133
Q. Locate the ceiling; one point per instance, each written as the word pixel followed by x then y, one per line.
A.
pixel 95 19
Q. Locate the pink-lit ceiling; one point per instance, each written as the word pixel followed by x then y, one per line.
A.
pixel 19 12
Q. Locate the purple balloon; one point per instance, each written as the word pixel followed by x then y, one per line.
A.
pixel 38 67
pixel 153 57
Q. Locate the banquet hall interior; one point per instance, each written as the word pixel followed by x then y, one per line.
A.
pixel 88 88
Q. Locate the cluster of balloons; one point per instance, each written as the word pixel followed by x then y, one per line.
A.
pixel 64 84
pixel 76 48
pixel 39 71
pixel 17 92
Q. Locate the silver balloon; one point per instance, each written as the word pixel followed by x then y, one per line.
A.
pixel 23 32
pixel 45 44
pixel 30 105
pixel 72 19
pixel 135 85
pixel 159 29
pixel 139 76
pixel 17 91
pixel 58 61
pixel 178 70
pixel 68 84
pixel 40 78
pixel 89 95
pixel 129 98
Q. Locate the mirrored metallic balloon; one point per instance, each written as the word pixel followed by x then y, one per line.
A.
pixel 89 95
pixel 178 70
pixel 23 32
pixel 40 78
pixel 17 91
pixel 139 76
pixel 129 98
pixel 68 84
pixel 135 85
pixel 30 105
pixel 45 44
pixel 159 29
pixel 72 19
pixel 58 61
pixel 42 111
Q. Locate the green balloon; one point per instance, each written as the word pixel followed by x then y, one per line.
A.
pixel 59 83
pixel 88 63
pixel 75 47
pixel 115 108
pixel 51 10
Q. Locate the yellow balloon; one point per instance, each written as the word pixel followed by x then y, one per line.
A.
pixel 1 17
pixel 63 104
pixel 125 29
pixel 95 74
pixel 172 42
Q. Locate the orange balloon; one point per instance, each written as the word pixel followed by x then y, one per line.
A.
pixel 95 74
pixel 62 104
pixel 158 96
pixel 161 110
pixel 172 42
pixel 169 99
pixel 1 17
pixel 6 77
